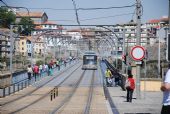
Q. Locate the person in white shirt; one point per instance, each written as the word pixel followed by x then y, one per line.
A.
pixel 29 72
pixel 165 88
pixel 40 69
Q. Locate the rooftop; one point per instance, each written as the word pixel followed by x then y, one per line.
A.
pixel 30 14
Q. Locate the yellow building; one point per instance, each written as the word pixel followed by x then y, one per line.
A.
pixel 23 45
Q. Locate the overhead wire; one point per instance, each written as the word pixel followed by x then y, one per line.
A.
pixel 105 8
pixel 78 9
pixel 107 17
pixel 100 8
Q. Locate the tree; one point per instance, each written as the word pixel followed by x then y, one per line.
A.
pixel 6 18
pixel 27 26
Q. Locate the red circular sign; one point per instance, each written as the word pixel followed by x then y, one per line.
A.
pixel 138 53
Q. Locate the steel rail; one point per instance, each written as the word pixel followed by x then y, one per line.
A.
pixel 90 95
pixel 68 98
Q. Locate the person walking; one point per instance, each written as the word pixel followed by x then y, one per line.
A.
pixel 29 72
pixel 108 75
pixel 129 69
pixel 130 86
pixel 165 88
pixel 116 75
pixel 36 71
pixel 40 70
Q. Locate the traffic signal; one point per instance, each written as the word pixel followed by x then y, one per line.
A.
pixel 168 47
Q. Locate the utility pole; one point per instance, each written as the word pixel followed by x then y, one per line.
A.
pixel 124 51
pixel 32 47
pixel 11 49
pixel 138 40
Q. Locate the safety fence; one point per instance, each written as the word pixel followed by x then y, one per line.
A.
pixel 21 84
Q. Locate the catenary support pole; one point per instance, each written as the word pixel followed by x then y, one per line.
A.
pixel 138 40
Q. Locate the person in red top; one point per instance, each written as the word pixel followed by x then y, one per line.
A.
pixel 130 86
pixel 36 71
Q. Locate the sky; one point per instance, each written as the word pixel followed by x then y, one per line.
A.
pixel 63 10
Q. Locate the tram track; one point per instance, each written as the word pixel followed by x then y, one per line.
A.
pixel 87 95
pixel 90 95
pixel 41 86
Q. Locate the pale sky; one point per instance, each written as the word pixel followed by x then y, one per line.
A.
pixel 63 12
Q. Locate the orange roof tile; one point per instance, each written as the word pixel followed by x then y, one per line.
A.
pixel 29 38
pixel 154 21
pixel 38 27
pixel 31 14
pixel 48 23
pixel 164 19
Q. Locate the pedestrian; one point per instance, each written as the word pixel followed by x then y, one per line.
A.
pixel 50 72
pixel 57 64
pixel 129 69
pixel 130 86
pixel 36 71
pixel 108 76
pixel 29 72
pixel 165 88
pixel 40 70
pixel 116 75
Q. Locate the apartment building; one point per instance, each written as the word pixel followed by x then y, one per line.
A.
pixel 23 45
pixel 4 42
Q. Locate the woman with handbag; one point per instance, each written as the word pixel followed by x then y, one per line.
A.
pixel 130 86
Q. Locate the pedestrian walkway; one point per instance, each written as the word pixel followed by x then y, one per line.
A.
pixel 149 103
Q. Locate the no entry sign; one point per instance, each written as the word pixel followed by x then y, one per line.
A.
pixel 137 53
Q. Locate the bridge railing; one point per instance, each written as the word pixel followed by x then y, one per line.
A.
pixel 21 84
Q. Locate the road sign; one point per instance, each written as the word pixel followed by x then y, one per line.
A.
pixel 138 53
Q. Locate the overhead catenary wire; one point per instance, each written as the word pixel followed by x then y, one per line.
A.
pixel 107 16
pixel 99 8
pixel 97 18
pixel 106 8
pixel 78 9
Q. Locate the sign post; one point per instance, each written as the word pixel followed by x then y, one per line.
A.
pixel 138 53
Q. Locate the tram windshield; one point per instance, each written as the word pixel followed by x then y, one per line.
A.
pixel 90 59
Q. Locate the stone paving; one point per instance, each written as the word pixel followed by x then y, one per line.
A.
pixel 149 103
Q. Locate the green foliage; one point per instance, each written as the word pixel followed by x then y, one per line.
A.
pixel 27 26
pixel 6 18
pixel 39 62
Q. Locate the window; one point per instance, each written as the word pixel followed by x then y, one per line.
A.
pixel 22 43
pixel 132 29
pixel 22 48
pixel 116 30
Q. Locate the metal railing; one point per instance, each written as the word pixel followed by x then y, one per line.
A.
pixel 20 85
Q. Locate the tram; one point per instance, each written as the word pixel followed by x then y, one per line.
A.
pixel 89 61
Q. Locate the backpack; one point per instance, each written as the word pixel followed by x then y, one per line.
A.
pixel 36 70
pixel 130 83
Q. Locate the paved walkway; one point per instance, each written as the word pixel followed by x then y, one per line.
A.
pixel 150 102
